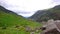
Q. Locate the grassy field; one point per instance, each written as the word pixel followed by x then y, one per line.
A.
pixel 14 24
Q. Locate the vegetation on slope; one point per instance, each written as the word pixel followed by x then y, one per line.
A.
pixel 11 23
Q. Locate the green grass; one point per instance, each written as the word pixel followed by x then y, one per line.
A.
pixel 11 30
pixel 9 21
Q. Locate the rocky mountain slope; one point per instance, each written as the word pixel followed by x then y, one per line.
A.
pixel 44 15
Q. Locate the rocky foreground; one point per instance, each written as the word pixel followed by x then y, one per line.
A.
pixel 52 27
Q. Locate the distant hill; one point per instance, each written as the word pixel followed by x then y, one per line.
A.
pixel 11 23
pixel 44 15
pixel 5 10
pixel 37 14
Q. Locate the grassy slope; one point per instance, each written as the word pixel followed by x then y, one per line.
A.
pixel 11 20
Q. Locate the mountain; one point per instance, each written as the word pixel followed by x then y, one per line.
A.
pixel 11 23
pixel 44 15
pixel 37 14
pixel 57 7
pixel 41 15
pixel 5 10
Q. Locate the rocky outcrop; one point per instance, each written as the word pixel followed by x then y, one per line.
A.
pixel 52 27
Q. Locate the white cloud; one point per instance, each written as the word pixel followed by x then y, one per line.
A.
pixel 26 5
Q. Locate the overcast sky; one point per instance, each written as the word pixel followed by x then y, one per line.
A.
pixel 27 8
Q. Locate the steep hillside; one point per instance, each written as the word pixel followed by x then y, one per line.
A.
pixel 44 15
pixel 37 14
pixel 11 23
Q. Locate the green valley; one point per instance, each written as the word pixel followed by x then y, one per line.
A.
pixel 11 23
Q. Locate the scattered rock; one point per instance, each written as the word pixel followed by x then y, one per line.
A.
pixel 32 32
pixel 53 31
pixel 37 29
pixel 43 28
pixel 28 29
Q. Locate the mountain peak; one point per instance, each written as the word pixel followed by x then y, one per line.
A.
pixel 57 7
